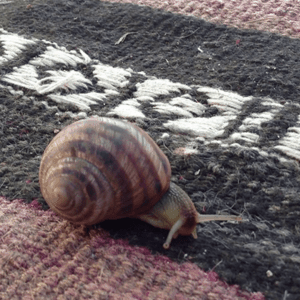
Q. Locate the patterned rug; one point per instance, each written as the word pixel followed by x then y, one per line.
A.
pixel 215 84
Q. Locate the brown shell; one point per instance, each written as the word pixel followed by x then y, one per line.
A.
pixel 101 168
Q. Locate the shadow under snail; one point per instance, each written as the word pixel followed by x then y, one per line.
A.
pixel 102 168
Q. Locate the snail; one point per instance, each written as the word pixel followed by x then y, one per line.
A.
pixel 102 168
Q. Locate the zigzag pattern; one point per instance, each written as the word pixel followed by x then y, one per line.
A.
pixel 68 86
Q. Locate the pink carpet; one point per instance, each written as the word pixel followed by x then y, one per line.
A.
pixel 44 257
pixel 275 16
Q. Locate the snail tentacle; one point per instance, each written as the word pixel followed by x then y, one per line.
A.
pixel 208 218
pixel 177 213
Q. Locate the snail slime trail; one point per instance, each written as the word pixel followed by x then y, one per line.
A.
pixel 105 169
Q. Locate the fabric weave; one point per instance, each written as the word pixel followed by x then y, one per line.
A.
pixel 44 257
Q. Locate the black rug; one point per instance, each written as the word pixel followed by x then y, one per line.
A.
pixel 222 103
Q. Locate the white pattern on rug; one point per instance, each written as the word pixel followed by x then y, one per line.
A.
pixel 184 107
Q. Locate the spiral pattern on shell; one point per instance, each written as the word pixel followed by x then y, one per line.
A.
pixel 101 168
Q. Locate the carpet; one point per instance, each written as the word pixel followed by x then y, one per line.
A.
pixel 215 84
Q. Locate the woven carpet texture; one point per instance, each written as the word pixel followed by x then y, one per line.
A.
pixel 43 257
pixel 215 84
pixel 278 16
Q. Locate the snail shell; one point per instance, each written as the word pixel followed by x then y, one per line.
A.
pixel 101 168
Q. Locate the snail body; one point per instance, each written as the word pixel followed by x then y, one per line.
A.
pixel 101 168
